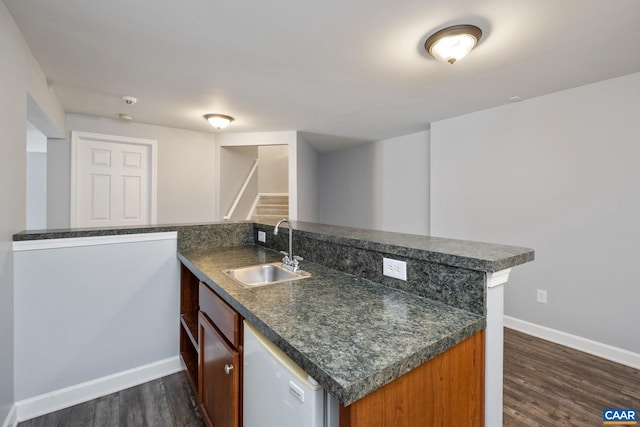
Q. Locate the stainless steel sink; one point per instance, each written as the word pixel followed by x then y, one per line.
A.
pixel 264 274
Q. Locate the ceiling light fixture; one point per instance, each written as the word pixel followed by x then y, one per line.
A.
pixel 453 43
pixel 129 100
pixel 219 121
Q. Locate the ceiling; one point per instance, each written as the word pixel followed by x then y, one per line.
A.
pixel 341 71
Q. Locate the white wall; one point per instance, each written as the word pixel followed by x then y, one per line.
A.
pixel 559 174
pixel 382 185
pixel 308 184
pixel 85 312
pixel 273 169
pixel 20 76
pixel 58 183
pixel 36 190
pixel 36 178
pixel 347 187
pixel 186 169
pixel 36 140
pixel 235 165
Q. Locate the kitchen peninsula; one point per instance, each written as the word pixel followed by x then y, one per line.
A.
pixel 354 330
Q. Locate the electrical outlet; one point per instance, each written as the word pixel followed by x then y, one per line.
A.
pixel 541 296
pixel 394 268
pixel 262 236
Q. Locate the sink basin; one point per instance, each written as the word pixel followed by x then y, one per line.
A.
pixel 264 274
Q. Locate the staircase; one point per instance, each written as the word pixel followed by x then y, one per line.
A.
pixel 271 206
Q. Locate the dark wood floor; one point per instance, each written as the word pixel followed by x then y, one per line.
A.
pixel 165 402
pixel 545 385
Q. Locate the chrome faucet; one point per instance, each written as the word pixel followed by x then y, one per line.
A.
pixel 290 261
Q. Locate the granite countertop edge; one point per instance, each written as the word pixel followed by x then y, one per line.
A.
pixel 387 375
pixel 479 256
pixel 67 233
pixel 345 393
pixel 473 255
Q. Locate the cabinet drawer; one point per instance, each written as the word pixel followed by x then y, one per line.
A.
pixel 225 318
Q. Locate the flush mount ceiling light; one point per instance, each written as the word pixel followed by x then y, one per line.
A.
pixel 453 43
pixel 219 121
pixel 129 100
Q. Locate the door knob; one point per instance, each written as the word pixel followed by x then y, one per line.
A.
pixel 228 369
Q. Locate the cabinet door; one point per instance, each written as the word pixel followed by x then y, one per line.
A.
pixel 219 377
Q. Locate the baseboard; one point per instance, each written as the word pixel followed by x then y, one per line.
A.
pixel 79 393
pixel 12 418
pixel 614 354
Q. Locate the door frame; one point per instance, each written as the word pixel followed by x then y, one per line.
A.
pixel 152 146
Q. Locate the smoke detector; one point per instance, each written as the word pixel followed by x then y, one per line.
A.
pixel 129 100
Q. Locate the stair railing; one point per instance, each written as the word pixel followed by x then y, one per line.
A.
pixel 242 190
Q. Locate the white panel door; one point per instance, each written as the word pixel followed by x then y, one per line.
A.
pixel 113 178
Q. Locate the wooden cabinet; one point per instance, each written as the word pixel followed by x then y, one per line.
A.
pixel 225 318
pixel 219 372
pixel 211 347
pixel 189 324
pixel 444 391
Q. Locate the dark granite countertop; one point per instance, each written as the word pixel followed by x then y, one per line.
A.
pixel 350 334
pixel 480 256
pixel 67 233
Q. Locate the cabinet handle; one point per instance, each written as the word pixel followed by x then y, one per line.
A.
pixel 228 369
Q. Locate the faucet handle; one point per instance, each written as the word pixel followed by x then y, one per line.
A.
pixel 296 258
pixel 285 253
